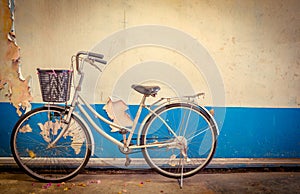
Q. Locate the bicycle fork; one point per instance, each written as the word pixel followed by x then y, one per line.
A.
pixel 66 123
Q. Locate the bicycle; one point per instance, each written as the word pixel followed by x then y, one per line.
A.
pixel 53 143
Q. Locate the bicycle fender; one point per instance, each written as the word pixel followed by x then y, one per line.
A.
pixel 212 117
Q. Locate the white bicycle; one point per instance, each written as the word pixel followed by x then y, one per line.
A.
pixel 54 142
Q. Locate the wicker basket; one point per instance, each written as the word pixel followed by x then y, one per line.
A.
pixel 55 85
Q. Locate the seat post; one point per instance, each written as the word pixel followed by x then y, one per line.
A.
pixel 136 119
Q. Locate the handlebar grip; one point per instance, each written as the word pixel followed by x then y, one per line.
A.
pixel 97 55
pixel 100 61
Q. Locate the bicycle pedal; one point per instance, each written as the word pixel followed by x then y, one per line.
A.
pixel 128 161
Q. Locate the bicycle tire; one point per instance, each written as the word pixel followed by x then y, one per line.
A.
pixel 30 139
pixel 194 146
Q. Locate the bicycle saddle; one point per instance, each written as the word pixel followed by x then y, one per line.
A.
pixel 146 90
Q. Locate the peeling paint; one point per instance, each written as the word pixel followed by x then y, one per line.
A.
pixel 6 21
pixel 116 111
pixel 14 87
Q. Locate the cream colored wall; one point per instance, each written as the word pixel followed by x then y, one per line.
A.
pixel 255 44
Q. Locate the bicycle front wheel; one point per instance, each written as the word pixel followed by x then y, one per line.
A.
pixel 36 130
pixel 179 139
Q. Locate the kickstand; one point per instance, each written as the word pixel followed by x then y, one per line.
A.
pixel 128 160
pixel 180 181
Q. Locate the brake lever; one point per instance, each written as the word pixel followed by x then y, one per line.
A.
pixel 91 61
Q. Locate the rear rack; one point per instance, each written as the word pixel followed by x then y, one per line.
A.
pixel 165 100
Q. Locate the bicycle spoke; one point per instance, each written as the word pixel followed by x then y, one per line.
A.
pixel 198 133
pixel 187 122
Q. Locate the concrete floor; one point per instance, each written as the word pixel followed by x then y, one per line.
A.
pixel 127 183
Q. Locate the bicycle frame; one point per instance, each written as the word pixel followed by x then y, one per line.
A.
pixel 78 101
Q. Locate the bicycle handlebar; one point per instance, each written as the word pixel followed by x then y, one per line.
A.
pixel 96 57
pixel 101 61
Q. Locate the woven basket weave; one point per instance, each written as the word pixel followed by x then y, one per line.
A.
pixel 55 85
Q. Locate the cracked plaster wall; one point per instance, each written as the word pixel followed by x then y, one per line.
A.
pixel 13 87
pixel 255 44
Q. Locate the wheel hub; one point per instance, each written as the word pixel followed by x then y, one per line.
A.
pixel 179 143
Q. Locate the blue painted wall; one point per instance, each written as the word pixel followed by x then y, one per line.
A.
pixel 246 133
pixel 260 133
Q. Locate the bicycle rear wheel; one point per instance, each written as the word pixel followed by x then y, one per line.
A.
pixel 186 139
pixel 33 133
